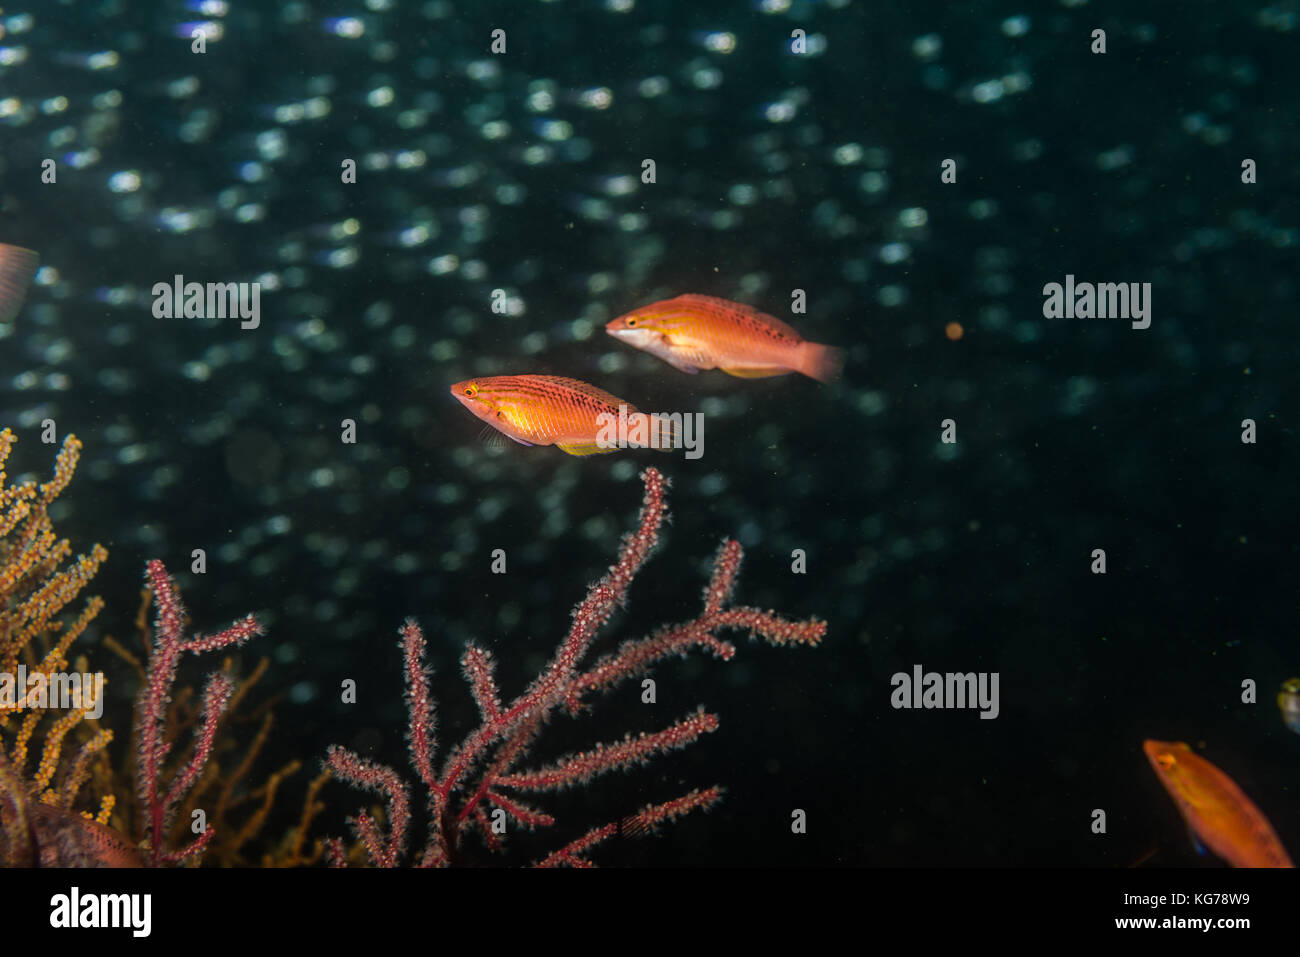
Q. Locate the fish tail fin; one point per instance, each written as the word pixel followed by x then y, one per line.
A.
pixel 17 267
pixel 823 363
pixel 665 436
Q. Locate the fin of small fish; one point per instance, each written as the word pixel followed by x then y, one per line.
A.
pixel 756 372
pixel 582 448
pixel 676 363
pixel 17 267
pixel 667 439
pixel 715 302
pixel 1197 846
pixel 495 440
pixel 820 362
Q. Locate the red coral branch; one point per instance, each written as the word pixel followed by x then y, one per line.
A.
pixel 643 822
pixel 386 782
pixel 151 710
pixel 508 730
pixel 582 767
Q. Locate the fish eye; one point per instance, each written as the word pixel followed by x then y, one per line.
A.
pixel 1166 761
pixel 471 391
pixel 631 322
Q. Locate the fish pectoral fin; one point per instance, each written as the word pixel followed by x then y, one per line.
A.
pixel 495 439
pixel 680 364
pixel 583 448
pixel 1196 843
pixel 756 372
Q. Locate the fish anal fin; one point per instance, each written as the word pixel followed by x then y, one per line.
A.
pixel 756 372
pixel 583 448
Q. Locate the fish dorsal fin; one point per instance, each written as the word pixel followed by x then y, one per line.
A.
pixel 759 318
pixel 588 390
pixel 716 302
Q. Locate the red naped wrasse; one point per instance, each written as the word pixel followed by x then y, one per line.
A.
pixel 702 332
pixel 1217 811
pixel 62 838
pixel 546 410
pixel 17 267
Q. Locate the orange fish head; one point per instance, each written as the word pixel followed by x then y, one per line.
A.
pixel 639 329
pixel 474 397
pixel 1164 754
pixel 644 330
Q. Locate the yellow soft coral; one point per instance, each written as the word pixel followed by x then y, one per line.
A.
pixel 36 585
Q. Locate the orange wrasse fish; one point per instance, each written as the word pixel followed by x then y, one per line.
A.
pixel 702 332
pixel 66 839
pixel 549 410
pixel 17 267
pixel 1217 812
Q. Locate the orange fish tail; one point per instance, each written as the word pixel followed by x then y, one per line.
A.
pixel 823 363
pixel 664 438
pixel 17 267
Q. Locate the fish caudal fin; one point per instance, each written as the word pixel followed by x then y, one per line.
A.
pixel 823 363
pixel 17 267
pixel 664 438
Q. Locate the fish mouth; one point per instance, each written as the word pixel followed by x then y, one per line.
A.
pixel 640 338
pixel 468 401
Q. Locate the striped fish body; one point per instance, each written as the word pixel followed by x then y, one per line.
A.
pixel 694 332
pixel 66 839
pixel 1217 812
pixel 17 267
pixel 544 410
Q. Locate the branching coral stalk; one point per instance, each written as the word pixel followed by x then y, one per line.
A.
pixel 478 773
pixel 151 710
pixel 37 584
